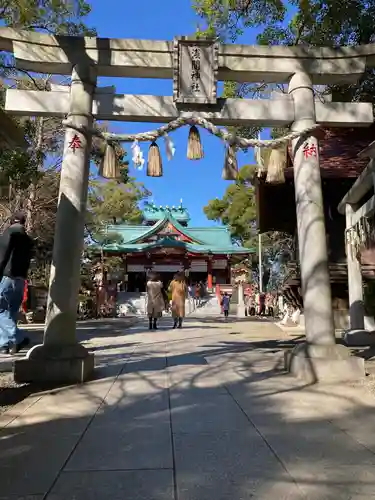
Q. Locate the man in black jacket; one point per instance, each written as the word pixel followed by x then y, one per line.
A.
pixel 15 255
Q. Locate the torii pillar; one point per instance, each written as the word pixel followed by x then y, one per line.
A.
pixel 61 358
pixel 355 282
pixel 319 358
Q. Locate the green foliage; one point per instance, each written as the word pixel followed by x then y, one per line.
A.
pixel 18 166
pixel 237 208
pixel 228 19
pixel 241 91
pixel 315 22
pixel 56 17
pixel 112 202
pixel 332 23
pixel 52 16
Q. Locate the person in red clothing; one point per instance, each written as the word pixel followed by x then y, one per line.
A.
pixel 25 295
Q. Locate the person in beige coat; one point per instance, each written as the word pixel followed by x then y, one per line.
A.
pixel 178 290
pixel 156 300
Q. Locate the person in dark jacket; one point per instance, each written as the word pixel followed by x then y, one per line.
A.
pixel 15 255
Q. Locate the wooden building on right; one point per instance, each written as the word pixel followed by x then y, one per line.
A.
pixel 341 162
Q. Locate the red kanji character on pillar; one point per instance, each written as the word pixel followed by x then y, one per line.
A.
pixel 309 150
pixel 75 143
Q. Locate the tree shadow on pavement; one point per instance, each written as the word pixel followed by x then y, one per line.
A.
pixel 219 429
pixel 191 418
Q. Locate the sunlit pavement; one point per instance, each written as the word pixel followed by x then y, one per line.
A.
pixel 201 413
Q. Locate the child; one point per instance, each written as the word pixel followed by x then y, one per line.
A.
pixel 225 304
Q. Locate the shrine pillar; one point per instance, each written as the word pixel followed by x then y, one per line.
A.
pixel 125 272
pixel 209 274
pixel 319 357
pixel 61 358
pixel 187 268
pixel 229 270
pixel 241 301
pixel 355 285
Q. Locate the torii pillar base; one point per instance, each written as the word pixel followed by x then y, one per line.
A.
pixel 47 364
pixel 324 363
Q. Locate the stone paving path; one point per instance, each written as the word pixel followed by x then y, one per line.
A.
pixel 202 413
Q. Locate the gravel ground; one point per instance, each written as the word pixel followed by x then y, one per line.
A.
pixel 367 383
pixel 10 392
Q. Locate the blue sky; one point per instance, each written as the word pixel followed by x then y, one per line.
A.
pixel 196 182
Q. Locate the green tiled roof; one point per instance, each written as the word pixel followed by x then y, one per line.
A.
pixel 172 243
pixel 217 236
pixel 151 212
pixel 204 240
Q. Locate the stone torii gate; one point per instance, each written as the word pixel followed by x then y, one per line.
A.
pixel 195 67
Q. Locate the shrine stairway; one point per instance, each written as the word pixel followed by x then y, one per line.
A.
pixel 210 307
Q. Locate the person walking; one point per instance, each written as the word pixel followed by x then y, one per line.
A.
pixel 198 294
pixel 269 304
pixel 111 290
pixel 178 290
pixel 247 303
pixel 280 305
pixel 262 304
pixel 193 288
pixel 156 300
pixel 191 295
pixel 252 305
pixel 16 248
pixel 225 304
pixel 202 292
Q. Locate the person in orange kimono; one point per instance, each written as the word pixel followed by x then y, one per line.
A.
pixel 178 290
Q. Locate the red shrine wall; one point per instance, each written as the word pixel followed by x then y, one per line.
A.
pixel 136 268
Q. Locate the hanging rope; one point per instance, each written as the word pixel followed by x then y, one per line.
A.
pixel 223 134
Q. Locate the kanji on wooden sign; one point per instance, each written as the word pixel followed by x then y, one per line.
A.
pixel 309 150
pixel 75 143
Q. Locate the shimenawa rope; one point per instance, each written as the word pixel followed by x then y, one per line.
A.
pixel 223 134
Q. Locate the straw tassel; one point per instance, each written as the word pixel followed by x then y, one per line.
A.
pixel 194 149
pixel 109 166
pixel 276 166
pixel 154 163
pixel 262 156
pixel 230 170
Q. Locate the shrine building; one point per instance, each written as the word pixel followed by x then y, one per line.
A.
pixel 165 243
